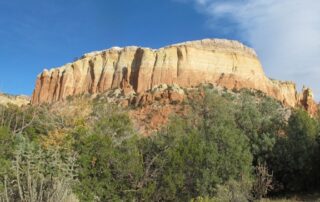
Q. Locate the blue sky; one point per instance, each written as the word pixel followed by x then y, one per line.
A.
pixel 38 34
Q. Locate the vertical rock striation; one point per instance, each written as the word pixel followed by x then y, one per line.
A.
pixel 221 62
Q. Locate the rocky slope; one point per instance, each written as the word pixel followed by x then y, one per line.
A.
pixel 16 100
pixel 221 62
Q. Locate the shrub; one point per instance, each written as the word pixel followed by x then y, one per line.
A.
pixel 263 181
pixel 295 156
pixel 110 163
pixel 6 153
pixel 37 174
pixel 233 191
pixel 200 152
pixel 260 120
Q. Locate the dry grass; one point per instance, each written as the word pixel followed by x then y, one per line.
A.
pixel 295 198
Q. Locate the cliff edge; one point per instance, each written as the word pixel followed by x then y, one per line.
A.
pixel 221 62
pixel 18 100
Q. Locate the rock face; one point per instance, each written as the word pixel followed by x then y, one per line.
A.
pixel 307 101
pixel 20 100
pixel 221 62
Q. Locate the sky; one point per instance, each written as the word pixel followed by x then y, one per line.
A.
pixel 38 34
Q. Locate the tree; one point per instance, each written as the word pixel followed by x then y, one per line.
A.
pixel 261 120
pixel 37 174
pixel 6 153
pixel 200 151
pixel 263 182
pixel 294 160
pixel 110 163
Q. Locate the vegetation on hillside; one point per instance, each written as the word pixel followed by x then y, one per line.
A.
pixel 229 147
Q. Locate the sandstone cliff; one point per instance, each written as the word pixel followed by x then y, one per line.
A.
pixel 226 63
pixel 16 100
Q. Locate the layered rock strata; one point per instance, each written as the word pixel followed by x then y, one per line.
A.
pixel 221 62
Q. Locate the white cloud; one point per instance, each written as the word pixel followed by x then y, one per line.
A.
pixel 285 33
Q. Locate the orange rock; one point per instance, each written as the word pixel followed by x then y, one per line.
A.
pixel 308 102
pixel 175 98
pixel 225 63
pixel 124 103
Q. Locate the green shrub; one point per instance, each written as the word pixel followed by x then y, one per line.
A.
pixel 6 154
pixel 110 163
pixel 261 121
pixel 199 152
pixel 36 174
pixel 295 160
